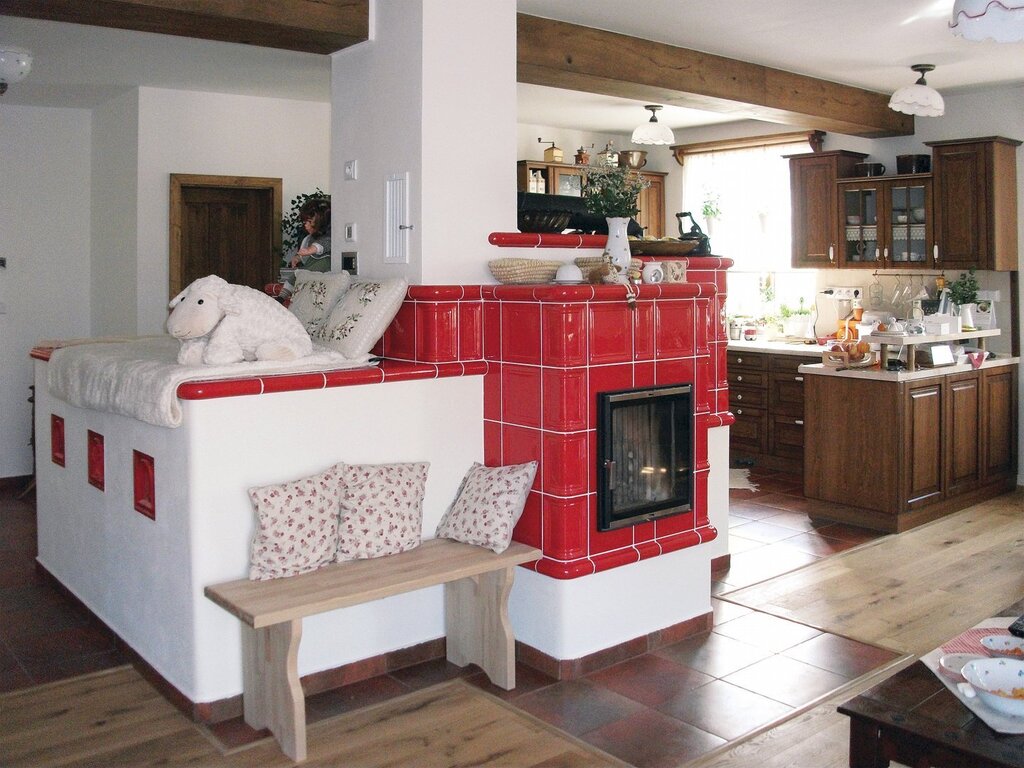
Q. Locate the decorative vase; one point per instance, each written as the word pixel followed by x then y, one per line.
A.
pixel 966 316
pixel 617 248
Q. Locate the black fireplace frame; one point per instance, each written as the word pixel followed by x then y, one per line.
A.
pixel 607 518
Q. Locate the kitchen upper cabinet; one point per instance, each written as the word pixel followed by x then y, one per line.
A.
pixel 886 222
pixel 814 203
pixel 975 185
pixel 565 179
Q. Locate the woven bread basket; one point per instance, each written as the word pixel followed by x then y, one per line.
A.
pixel 513 271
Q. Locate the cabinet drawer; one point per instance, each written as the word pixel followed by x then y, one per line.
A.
pixel 786 436
pixel 754 360
pixel 786 394
pixel 790 363
pixel 748 378
pixel 752 397
pixel 750 431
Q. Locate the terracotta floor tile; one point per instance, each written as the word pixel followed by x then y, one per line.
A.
pixel 768 632
pixel 815 543
pixel 578 706
pixel 764 531
pixel 234 733
pixel 353 696
pixel 649 739
pixel 786 680
pixel 840 655
pixel 725 709
pixel 650 679
pixel 740 543
pixel 798 521
pixel 62 667
pixel 42 649
pixel 726 611
pixel 714 654
pixel 751 510
pixel 849 533
pixel 528 679
pixel 747 568
pixel 784 501
pixel 430 673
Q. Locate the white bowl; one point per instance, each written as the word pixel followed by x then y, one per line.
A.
pixel 1007 646
pixel 901 218
pixel 999 683
pixel 918 215
pixel 853 221
pixel 952 664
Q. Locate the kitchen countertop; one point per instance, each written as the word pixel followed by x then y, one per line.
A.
pixel 777 347
pixel 875 374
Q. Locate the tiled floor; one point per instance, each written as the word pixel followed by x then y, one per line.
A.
pixel 663 708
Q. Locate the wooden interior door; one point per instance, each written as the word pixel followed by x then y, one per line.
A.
pixel 226 226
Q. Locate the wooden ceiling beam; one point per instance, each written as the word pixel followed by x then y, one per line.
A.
pixel 310 26
pixel 563 55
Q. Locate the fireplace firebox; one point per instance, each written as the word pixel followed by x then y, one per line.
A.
pixel 645 455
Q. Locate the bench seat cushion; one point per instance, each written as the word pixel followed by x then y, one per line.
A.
pixel 296 526
pixel 488 505
pixel 381 509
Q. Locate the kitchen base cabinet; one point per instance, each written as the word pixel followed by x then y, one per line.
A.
pixel 900 454
pixel 766 397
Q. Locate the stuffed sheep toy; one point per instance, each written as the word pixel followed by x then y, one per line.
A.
pixel 220 323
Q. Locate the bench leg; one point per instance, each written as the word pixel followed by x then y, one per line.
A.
pixel 477 625
pixel 271 695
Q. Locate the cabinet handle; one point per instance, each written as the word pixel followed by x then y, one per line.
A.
pixel 739 411
pixel 798 422
pixel 878 254
pixel 739 397
pixel 885 253
pixel 832 253
pixel 739 378
pixel 935 253
pixel 739 361
pixel 798 378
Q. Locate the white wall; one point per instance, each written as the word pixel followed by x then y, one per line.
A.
pixel 221 135
pixel 44 218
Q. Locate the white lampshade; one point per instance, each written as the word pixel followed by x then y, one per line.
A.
pixel 999 20
pixel 15 64
pixel 918 99
pixel 653 132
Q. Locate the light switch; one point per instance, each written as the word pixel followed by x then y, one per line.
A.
pixel 351 170
pixel 350 233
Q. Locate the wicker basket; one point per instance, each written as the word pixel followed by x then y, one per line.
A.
pixel 587 264
pixel 523 271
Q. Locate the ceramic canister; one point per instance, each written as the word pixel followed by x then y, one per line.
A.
pixel 653 272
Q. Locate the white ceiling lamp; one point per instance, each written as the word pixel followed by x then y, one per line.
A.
pixel 15 64
pixel 999 20
pixel 918 99
pixel 653 132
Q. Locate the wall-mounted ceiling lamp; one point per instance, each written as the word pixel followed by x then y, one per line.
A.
pixel 999 20
pixel 653 132
pixel 918 99
pixel 15 64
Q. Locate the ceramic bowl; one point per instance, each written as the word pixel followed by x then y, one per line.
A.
pixel 1007 646
pixel 917 215
pixel 999 683
pixel 952 664
pixel 853 221
pixel 901 218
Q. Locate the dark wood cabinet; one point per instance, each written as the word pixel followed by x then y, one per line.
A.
pixel 975 203
pixel 565 179
pixel 923 448
pixel 814 202
pixel 766 397
pixel 886 222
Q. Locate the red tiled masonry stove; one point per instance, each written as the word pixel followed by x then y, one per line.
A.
pixel 546 351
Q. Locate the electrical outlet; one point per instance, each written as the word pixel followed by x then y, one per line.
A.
pixel 847 293
pixel 350 233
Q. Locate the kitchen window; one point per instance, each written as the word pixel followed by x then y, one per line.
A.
pixel 749 188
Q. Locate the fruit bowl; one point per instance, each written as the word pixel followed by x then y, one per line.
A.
pixel 999 683
pixel 848 354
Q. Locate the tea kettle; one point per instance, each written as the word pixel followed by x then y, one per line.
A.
pixel 695 233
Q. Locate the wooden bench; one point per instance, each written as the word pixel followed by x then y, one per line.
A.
pixel 477 585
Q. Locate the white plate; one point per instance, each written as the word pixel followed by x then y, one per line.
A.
pixel 952 663
pixel 1007 646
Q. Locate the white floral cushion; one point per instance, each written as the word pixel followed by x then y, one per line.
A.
pixel 315 295
pixel 296 526
pixel 381 509
pixel 362 316
pixel 488 505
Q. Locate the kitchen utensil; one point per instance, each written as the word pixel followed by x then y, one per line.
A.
pixel 875 294
pixel 913 163
pixel 633 158
pixel 868 169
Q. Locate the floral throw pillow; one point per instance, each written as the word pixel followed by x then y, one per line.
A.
pixel 381 509
pixel 315 295
pixel 362 316
pixel 296 526
pixel 488 505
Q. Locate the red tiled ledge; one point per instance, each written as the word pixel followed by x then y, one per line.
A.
pixel 545 240
pixel 387 371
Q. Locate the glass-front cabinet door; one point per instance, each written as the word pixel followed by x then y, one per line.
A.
pixel 860 204
pixel 909 226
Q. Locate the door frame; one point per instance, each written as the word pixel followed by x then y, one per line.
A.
pixel 179 181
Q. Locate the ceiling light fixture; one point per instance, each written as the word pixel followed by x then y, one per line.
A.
pixel 653 132
pixel 15 64
pixel 918 99
pixel 999 20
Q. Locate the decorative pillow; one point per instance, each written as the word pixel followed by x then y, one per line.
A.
pixel 381 509
pixel 296 526
pixel 315 295
pixel 488 505
pixel 362 316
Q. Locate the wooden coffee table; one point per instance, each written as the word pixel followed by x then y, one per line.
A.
pixel 914 719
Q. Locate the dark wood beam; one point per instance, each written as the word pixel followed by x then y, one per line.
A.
pixel 311 26
pixel 563 55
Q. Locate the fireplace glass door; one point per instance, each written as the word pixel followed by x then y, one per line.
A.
pixel 645 448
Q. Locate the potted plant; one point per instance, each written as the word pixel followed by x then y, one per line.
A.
pixel 612 192
pixel 964 293
pixel 795 322
pixel 710 208
pixel 291 227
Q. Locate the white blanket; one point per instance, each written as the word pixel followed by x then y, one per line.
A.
pixel 140 378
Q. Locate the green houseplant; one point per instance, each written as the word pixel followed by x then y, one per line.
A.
pixel 291 225
pixel 964 290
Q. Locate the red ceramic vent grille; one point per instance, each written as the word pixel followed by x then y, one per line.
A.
pixel 57 439
pixel 94 448
pixel 145 484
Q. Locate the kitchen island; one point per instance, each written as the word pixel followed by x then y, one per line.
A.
pixel 897 449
